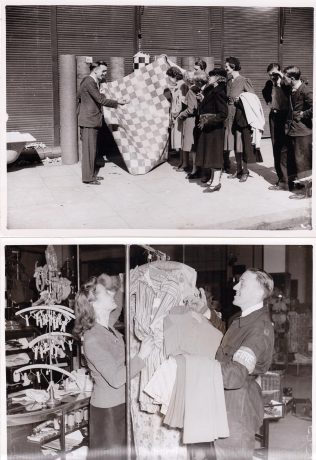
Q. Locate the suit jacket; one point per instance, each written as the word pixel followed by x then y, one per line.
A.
pixel 301 101
pixel 89 103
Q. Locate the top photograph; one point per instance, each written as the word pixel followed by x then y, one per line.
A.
pixel 169 118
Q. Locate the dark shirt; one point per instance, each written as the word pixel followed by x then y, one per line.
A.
pixel 242 393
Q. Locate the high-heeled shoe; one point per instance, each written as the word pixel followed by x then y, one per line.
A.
pixel 212 189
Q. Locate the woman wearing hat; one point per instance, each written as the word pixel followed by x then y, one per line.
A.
pixel 213 112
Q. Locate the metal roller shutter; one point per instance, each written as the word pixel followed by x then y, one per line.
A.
pixel 298 40
pixel 176 30
pixel 251 34
pixel 97 31
pixel 29 71
pixel 216 22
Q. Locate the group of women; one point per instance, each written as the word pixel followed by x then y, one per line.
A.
pixel 207 119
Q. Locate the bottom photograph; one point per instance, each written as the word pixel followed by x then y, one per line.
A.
pixel 180 352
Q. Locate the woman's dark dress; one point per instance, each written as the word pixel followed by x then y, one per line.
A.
pixel 210 143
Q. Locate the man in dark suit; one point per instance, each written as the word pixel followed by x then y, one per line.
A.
pixel 90 102
pixel 277 94
pixel 299 129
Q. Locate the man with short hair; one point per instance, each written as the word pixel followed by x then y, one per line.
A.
pixel 245 353
pixel 90 102
pixel 300 128
pixel 276 95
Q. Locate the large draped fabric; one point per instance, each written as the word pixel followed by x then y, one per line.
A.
pixel 142 124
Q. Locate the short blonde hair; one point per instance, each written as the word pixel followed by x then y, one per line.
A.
pixel 264 279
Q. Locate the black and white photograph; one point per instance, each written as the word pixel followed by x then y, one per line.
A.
pixel 215 341
pixel 175 117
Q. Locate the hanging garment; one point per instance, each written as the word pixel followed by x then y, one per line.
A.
pixel 151 438
pixel 160 386
pixel 255 116
pixel 205 417
pixel 193 336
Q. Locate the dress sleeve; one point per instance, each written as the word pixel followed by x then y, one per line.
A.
pixel 104 362
pixel 191 106
pixel 248 87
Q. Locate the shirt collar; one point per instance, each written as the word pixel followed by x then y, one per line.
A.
pixel 297 86
pixel 249 310
pixel 95 79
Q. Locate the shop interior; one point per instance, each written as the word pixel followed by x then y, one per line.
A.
pixel 47 382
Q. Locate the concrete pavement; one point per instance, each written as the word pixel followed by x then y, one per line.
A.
pixel 51 197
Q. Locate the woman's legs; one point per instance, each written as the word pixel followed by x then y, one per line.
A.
pixel 180 165
pixel 214 184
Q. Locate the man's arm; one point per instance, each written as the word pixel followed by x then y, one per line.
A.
pixel 267 91
pixel 98 97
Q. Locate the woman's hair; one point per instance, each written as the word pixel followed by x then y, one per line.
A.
pixel 188 77
pixel 84 311
pixel 201 64
pixel 200 78
pixel 174 72
pixel 233 62
pixel 220 73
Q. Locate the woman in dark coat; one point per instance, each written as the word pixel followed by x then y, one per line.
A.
pixel 213 112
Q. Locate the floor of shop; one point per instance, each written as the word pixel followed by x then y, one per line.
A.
pixel 46 197
pixel 291 437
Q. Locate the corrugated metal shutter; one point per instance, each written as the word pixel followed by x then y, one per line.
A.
pixel 29 71
pixel 251 34
pixel 298 40
pixel 216 22
pixel 176 30
pixel 97 31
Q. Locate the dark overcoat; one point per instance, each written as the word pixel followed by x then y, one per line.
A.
pixel 210 143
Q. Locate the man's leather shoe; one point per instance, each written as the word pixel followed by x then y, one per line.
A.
pixel 98 178
pixel 297 196
pixel 92 182
pixel 277 187
pixel 236 175
pixel 205 179
pixel 244 177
